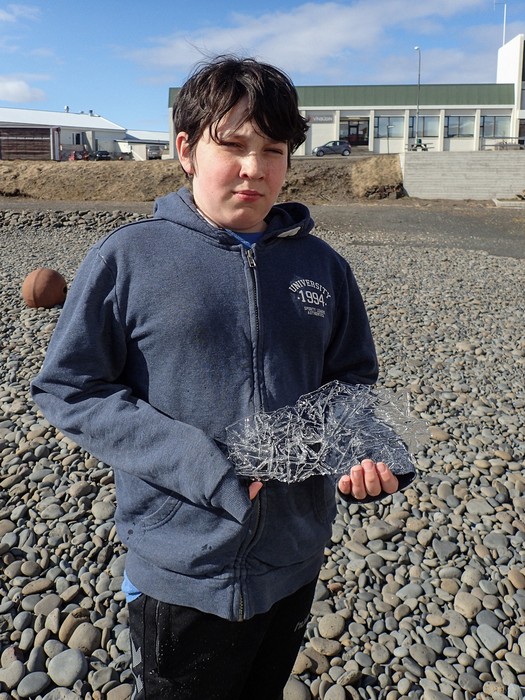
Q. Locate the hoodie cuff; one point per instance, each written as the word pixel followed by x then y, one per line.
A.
pixel 231 496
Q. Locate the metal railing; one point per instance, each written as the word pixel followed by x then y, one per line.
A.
pixel 503 143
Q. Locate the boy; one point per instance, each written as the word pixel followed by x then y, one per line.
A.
pixel 220 306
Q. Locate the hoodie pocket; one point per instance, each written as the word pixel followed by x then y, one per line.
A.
pixel 165 511
pixel 189 539
pixel 297 521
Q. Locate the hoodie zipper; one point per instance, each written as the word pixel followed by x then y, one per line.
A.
pixel 257 518
pixel 252 265
pixel 250 256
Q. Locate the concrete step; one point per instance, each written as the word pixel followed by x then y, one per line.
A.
pixel 457 175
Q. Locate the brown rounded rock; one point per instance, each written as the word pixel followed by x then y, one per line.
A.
pixel 86 637
pixel 44 287
pixel 70 624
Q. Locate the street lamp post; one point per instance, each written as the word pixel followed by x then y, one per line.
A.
pixel 390 126
pixel 504 19
pixel 416 48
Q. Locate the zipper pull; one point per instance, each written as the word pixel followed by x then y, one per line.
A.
pixel 251 257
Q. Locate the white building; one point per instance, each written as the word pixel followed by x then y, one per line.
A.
pixel 32 134
pixel 396 118
pixel 44 135
pixel 144 145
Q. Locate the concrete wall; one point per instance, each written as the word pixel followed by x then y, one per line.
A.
pixel 451 175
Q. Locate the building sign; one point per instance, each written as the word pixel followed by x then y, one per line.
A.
pixel 321 118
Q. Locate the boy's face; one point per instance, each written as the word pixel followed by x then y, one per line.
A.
pixel 237 180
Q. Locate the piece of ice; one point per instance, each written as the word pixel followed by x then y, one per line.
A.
pixel 326 432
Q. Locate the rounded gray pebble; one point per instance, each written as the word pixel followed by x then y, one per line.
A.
pixel 331 626
pixel 60 694
pixel 68 667
pixel 12 675
pixel 296 690
pixel 335 692
pixel 33 684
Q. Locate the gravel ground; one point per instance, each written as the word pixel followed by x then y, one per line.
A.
pixel 471 225
pixel 421 596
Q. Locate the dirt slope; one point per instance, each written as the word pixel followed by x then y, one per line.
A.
pixel 329 180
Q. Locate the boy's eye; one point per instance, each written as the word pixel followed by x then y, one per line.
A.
pixel 236 145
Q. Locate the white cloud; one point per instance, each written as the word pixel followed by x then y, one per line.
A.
pixel 335 41
pixel 44 53
pixel 302 36
pixel 14 12
pixel 18 90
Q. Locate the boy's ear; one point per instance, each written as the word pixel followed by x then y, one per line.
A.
pixel 183 152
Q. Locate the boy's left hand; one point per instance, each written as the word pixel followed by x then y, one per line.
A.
pixel 254 488
pixel 368 479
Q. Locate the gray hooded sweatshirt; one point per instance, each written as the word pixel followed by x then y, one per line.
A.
pixel 173 330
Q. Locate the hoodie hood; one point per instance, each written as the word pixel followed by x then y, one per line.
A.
pixel 283 220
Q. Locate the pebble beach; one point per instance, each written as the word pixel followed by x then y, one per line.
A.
pixel 421 596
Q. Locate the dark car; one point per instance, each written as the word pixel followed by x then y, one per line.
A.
pixel 154 153
pixel 102 155
pixel 342 148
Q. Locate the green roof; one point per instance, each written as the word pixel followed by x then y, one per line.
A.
pixel 475 94
pixel 402 95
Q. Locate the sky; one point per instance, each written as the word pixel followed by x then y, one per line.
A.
pixel 120 59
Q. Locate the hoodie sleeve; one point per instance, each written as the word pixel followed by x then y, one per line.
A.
pixel 79 390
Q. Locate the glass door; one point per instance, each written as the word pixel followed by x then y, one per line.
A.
pixel 355 131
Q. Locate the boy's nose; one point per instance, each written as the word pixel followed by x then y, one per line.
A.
pixel 252 166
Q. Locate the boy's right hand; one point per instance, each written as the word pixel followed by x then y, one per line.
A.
pixel 368 478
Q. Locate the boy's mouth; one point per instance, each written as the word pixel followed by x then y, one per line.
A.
pixel 248 195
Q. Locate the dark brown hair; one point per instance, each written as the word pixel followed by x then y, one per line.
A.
pixel 216 86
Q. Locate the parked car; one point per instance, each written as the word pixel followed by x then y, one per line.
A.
pixel 102 155
pixel 154 153
pixel 333 148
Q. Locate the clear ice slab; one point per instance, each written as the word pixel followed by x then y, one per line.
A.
pixel 326 432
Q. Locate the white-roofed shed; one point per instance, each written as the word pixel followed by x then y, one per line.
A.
pixel 45 135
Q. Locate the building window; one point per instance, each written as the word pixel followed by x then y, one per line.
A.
pixel 428 127
pixel 495 127
pixel 388 127
pixel 355 131
pixel 462 127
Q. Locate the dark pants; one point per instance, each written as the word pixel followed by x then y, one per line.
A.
pixel 180 653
